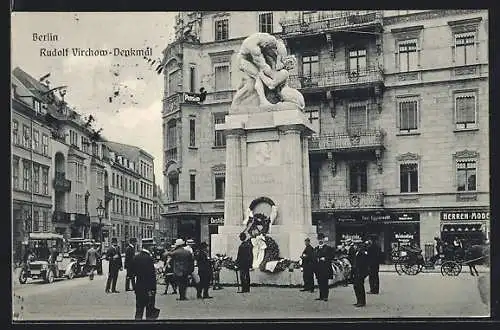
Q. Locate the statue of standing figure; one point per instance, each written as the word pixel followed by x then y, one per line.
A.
pixel 265 61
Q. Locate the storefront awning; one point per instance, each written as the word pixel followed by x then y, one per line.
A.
pixel 462 228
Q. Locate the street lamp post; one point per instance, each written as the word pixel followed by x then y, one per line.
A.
pixel 100 215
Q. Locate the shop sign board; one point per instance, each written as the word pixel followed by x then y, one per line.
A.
pixel 465 215
pixel 377 218
pixel 216 221
pixel 404 238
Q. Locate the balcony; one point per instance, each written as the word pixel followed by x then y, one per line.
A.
pixel 61 217
pixel 346 142
pixel 61 184
pixel 329 21
pixel 337 79
pixel 172 103
pixel 347 201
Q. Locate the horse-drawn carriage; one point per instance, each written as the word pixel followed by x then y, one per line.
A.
pixel 410 261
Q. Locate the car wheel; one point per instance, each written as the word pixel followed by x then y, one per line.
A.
pixel 49 278
pixel 23 277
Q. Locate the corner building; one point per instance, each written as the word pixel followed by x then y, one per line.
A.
pixel 380 88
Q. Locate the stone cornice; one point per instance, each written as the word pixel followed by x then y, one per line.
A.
pixel 466 154
pixel 432 14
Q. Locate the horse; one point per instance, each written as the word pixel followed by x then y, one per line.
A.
pixel 474 255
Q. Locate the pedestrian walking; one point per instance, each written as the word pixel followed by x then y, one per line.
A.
pixel 129 256
pixel 360 271
pixel 323 266
pixel 142 267
pixel 114 256
pixel 91 260
pixel 308 266
pixel 244 262
pixel 374 256
pixel 204 271
pixel 169 274
pixel 183 264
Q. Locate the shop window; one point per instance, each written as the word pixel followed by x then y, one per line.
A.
pixel 465 110
pixel 466 175
pixel 408 174
pixel 358 178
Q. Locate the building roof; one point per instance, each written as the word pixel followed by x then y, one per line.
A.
pixel 131 152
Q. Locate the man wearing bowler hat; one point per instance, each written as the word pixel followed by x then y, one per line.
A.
pixel 114 256
pixel 129 255
pixel 308 266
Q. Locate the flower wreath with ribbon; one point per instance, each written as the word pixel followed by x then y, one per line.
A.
pixel 259 223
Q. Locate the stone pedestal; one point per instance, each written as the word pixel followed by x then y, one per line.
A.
pixel 267 156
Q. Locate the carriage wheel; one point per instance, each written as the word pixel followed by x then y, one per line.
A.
pixel 399 268
pixel 411 269
pixel 451 268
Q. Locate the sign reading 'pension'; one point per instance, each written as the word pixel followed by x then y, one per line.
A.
pixel 465 215
pixel 216 221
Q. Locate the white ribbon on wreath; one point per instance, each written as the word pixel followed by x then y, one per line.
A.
pixel 248 215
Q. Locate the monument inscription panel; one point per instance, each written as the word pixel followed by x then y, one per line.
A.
pixel 265 153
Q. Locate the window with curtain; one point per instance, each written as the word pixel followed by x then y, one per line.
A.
pixel 466 175
pixel 465 48
pixel 357 61
pixel 222 78
pixel 266 22
pixel 357 117
pixel 358 178
pixel 465 110
pixel 408 115
pixel 220 139
pixel 408 178
pixel 408 56
pixel 221 29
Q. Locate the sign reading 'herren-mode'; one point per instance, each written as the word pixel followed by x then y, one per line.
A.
pixel 465 215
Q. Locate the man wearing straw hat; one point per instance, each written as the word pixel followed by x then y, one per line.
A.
pixel 183 264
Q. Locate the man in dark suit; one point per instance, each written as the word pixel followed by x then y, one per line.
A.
pixel 244 262
pixel 129 255
pixel 374 256
pixel 360 271
pixel 308 266
pixel 351 254
pixel 142 267
pixel 323 266
pixel 114 256
pixel 183 264
pixel 204 271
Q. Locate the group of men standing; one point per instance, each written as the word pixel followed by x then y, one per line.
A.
pixel 363 256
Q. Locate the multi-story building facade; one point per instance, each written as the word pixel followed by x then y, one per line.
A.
pixel 131 192
pixel 31 166
pixel 380 88
pixel 77 166
pixel 75 170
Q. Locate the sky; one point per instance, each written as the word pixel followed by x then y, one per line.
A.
pixel 123 94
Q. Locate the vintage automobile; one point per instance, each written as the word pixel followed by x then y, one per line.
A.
pixel 43 263
pixel 77 252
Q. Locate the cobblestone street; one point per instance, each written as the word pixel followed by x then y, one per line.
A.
pixel 424 295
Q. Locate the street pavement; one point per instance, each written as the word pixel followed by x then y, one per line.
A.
pixel 423 295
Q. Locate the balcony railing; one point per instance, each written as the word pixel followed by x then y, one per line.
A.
pixel 364 139
pixel 342 201
pixel 61 217
pixel 172 103
pixel 61 184
pixel 339 79
pixel 323 21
